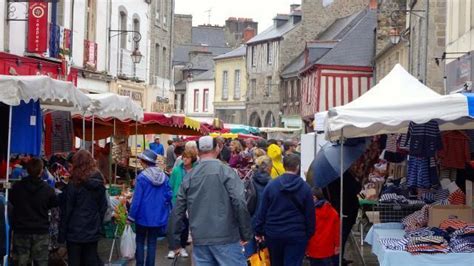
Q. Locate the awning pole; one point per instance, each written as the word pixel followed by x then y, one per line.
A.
pixel 7 186
pixel 112 140
pixel 93 134
pixel 136 146
pixel 341 215
pixel 83 143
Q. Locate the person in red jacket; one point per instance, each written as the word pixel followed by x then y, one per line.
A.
pixel 323 247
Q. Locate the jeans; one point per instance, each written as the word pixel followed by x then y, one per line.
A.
pixel 286 252
pixel 331 261
pixel 227 254
pixel 150 234
pixel 82 254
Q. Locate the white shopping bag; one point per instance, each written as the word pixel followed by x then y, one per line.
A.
pixel 127 243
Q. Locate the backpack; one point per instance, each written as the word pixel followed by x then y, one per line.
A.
pixel 250 195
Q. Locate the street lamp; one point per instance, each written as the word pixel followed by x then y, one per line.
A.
pixel 136 56
pixel 394 35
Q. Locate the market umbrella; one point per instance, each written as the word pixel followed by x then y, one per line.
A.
pixel 326 167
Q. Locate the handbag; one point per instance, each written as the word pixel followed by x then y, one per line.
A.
pixel 261 258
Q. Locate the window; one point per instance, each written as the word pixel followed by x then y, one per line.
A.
pixel 237 84
pixel 269 86
pixel 123 27
pixel 158 11
pixel 293 92
pixel 462 18
pixel 205 100
pixel 157 59
pixel 165 13
pixel 136 27
pixel 298 90
pixel 253 88
pixel 196 100
pixel 269 53
pixel 254 56
pixel 90 20
pixel 61 8
pixel 163 63
pixel 225 85
pixel 290 91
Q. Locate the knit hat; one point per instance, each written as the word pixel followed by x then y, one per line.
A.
pixel 148 156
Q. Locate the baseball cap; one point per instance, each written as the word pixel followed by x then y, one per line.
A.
pixel 206 143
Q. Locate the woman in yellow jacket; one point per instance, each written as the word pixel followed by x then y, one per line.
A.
pixel 275 153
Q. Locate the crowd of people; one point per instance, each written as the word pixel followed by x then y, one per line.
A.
pixel 230 199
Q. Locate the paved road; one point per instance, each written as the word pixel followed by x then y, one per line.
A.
pixel 161 259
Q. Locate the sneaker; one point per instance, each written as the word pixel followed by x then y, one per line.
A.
pixel 171 255
pixel 183 253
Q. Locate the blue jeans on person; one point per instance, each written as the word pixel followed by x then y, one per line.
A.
pixel 150 234
pixel 285 252
pixel 250 248
pixel 331 261
pixel 215 255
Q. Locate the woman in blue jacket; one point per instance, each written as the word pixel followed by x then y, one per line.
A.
pixel 151 206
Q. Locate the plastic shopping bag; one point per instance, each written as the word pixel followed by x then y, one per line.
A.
pixel 127 243
pixel 261 258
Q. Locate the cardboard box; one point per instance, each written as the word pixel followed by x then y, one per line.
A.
pixel 469 193
pixel 438 214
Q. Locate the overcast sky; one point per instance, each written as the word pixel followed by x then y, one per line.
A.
pixel 261 11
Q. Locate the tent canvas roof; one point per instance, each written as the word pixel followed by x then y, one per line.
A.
pixel 389 107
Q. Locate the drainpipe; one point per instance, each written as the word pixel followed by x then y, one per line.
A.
pixel 72 29
pixel 171 50
pixel 107 49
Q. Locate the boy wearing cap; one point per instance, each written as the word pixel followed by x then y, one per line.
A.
pixel 151 206
pixel 213 195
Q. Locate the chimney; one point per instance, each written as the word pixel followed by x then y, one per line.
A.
pixel 293 7
pixel 249 33
pixel 373 5
pixel 280 20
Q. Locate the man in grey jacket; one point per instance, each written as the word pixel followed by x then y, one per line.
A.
pixel 213 195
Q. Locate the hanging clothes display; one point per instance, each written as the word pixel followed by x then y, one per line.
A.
pixel 424 139
pixel 27 128
pixel 456 151
pixel 59 133
pixel 4 114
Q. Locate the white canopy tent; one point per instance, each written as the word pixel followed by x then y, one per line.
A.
pixel 389 107
pixel 53 94
pixel 392 104
pixel 111 105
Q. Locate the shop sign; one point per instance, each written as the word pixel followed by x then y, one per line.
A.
pixel 136 96
pixel 459 72
pixel 90 55
pixel 37 27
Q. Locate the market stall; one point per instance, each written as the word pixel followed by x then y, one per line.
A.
pixel 25 97
pixel 412 116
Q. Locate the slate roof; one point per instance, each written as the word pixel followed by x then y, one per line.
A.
pixel 341 26
pixel 274 32
pixel 181 52
pixel 208 35
pixel 208 75
pixel 356 46
pixel 316 50
pixel 238 52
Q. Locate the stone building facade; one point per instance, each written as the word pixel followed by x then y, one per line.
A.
pixel 161 51
pixel 182 33
pixel 427 41
pixel 235 28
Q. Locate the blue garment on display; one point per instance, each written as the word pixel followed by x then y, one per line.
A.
pixel 27 128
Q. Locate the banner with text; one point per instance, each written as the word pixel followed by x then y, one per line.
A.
pixel 37 27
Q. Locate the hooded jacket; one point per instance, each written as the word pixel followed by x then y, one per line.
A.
pixel 260 180
pixel 274 152
pixel 213 195
pixel 325 240
pixel 176 179
pixel 31 199
pixel 83 212
pixel 151 204
pixel 280 217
